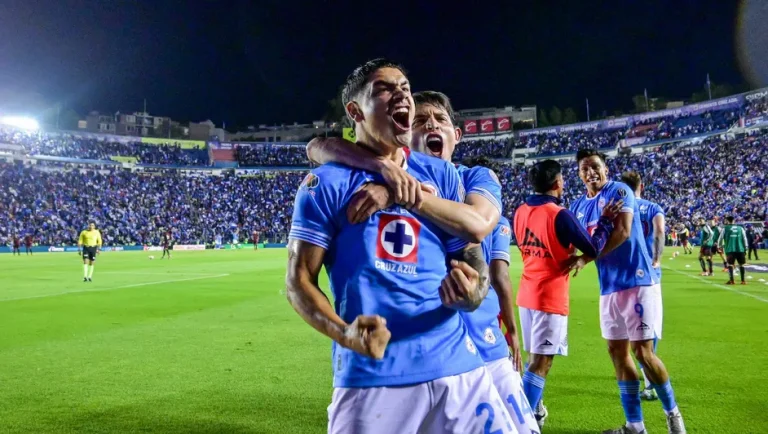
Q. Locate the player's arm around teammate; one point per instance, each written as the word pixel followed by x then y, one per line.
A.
pixel 472 221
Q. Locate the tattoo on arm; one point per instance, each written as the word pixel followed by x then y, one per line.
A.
pixel 473 256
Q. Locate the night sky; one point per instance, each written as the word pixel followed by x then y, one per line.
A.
pixel 280 61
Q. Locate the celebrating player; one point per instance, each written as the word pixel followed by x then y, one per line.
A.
pixel 652 220
pixel 735 248
pixel 385 273
pixel 705 251
pixel 630 300
pixel 435 134
pixel 547 235
pixel 90 241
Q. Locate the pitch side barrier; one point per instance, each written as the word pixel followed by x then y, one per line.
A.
pixel 69 249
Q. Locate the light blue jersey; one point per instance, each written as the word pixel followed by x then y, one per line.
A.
pixel 483 323
pixel 628 265
pixel 648 211
pixel 390 265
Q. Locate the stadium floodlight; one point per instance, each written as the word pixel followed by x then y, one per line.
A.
pixel 20 122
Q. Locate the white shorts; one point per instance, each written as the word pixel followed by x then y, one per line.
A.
pixel 635 314
pixel 510 386
pixel 462 404
pixel 544 333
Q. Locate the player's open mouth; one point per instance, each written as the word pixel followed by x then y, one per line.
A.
pixel 435 144
pixel 593 179
pixel 401 118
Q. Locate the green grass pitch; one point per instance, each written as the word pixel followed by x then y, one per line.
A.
pixel 207 343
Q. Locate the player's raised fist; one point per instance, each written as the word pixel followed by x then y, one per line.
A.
pixel 461 289
pixel 368 335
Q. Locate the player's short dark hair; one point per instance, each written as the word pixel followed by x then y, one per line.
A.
pixel 357 80
pixel 729 219
pixel 586 153
pixel 632 179
pixel 437 99
pixel 543 175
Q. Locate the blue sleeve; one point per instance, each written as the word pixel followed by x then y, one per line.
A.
pixel 501 241
pixel 623 192
pixel 570 232
pixel 453 190
pixel 313 213
pixel 484 182
pixel 656 211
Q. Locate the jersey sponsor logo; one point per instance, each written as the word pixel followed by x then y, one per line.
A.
pixel 489 336
pixel 532 246
pixel 580 215
pixel 601 203
pixel 506 231
pixel 398 238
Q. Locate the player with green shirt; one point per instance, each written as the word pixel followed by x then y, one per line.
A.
pixel 705 252
pixel 735 248
pixel 717 235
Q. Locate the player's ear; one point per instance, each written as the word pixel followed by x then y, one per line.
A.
pixel 457 133
pixel 354 112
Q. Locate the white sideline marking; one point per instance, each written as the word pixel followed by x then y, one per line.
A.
pixel 155 274
pixel 719 285
pixel 134 285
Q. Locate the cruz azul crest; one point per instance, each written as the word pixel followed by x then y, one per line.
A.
pixel 398 238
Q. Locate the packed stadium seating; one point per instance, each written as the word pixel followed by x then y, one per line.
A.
pixel 54 201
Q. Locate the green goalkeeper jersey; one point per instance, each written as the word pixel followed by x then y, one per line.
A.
pixel 735 238
pixel 706 236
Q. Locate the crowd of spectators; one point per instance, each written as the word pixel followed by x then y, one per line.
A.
pixel 132 208
pixel 70 146
pixel 719 176
pixel 271 155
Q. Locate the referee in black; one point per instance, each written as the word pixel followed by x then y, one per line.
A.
pixel 90 241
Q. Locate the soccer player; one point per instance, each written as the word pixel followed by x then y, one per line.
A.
pixel 717 245
pixel 255 237
pixel 90 241
pixel 652 220
pixel 705 251
pixel 435 133
pixel 16 245
pixel 684 233
pixel 752 239
pixel 167 242
pixel 630 300
pixel 735 248
pixel 548 235
pixel 28 243
pixel 397 331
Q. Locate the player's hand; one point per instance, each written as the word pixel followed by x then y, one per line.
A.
pixel 460 289
pixel 405 187
pixel 612 209
pixel 367 201
pixel 655 264
pixel 577 263
pixel 514 349
pixel 368 335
